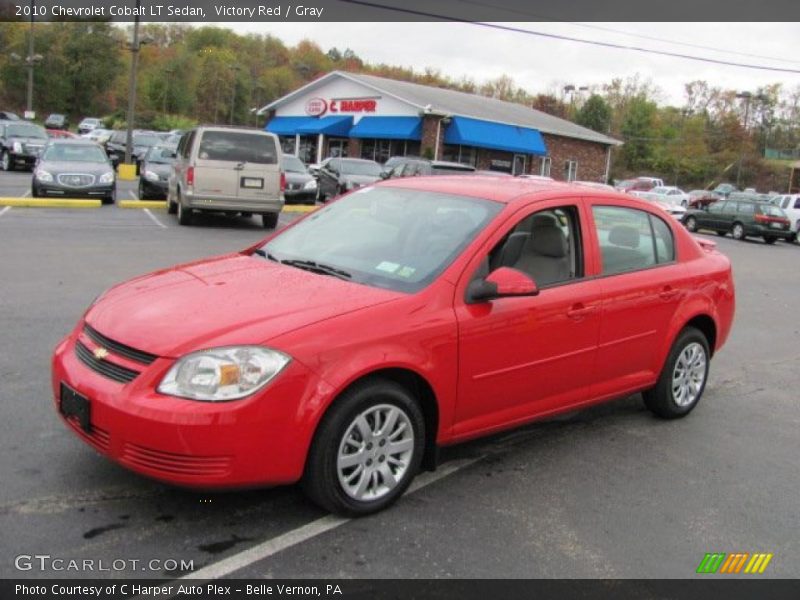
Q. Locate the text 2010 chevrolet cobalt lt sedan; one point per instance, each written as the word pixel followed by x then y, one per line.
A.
pixel 404 316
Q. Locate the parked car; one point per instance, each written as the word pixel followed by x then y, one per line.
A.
pixel 635 185
pixel 741 218
pixel 675 210
pixel 89 124
pixel 56 121
pixel 701 198
pixel 7 115
pixel 339 175
pixel 60 134
pixel 393 161
pixel 672 194
pixel 20 144
pixel 99 135
pixel 595 185
pixel 74 169
pixel 790 204
pixel 301 186
pixel 142 142
pixel 416 167
pixel 155 172
pixel 343 351
pixel 725 189
pixel 227 169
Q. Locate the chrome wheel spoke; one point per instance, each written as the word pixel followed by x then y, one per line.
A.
pixel 400 447
pixel 351 460
pixel 389 479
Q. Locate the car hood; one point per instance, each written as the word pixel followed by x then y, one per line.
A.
pixel 228 300
pixel 158 168
pixel 62 166
pixel 360 179
pixel 294 177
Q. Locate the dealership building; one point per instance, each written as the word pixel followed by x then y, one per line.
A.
pixel 363 116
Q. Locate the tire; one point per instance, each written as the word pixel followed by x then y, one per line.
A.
pixel 184 214
pixel 142 194
pixel 110 199
pixel 172 208
pixel 768 239
pixel 670 401
pixel 722 233
pixel 6 164
pixel 34 192
pixel 691 224
pixel 320 197
pixel 792 238
pixel 358 416
pixel 269 220
pixel 737 231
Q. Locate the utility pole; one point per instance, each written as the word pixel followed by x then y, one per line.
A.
pixel 167 76
pixel 30 61
pixel 746 96
pixel 134 48
pixel 685 112
pixel 235 70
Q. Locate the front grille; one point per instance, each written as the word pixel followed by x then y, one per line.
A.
pixel 97 438
pixel 170 463
pixel 294 186
pixel 104 367
pixel 76 180
pixel 133 354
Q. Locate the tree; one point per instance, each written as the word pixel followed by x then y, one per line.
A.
pixel 638 130
pixel 595 114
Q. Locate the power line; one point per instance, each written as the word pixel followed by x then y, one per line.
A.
pixel 567 38
pixel 628 33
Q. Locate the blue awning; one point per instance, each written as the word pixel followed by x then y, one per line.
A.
pixel 337 125
pixel 388 128
pixel 496 136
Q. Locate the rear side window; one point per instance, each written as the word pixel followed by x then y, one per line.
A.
pixel 631 239
pixel 235 146
pixel 797 203
pixel 746 208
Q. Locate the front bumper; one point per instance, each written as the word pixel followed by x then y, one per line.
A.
pixel 54 189
pixel 760 231
pixel 154 188
pixel 257 441
pixel 301 196
pixel 233 203
pixel 26 160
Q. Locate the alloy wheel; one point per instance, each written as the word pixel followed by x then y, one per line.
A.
pixel 5 162
pixel 375 452
pixel 691 224
pixel 689 374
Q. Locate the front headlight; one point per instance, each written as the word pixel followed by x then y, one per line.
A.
pixel 107 177
pixel 221 374
pixel 310 185
pixel 151 176
pixel 43 176
pixel 17 147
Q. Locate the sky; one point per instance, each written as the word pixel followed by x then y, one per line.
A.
pixel 541 65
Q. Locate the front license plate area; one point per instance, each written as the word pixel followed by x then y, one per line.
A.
pixel 75 405
pixel 253 183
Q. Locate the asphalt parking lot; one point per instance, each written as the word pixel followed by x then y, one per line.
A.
pixel 608 492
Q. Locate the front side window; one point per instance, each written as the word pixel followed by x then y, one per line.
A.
pixel 746 208
pixel 631 239
pixel 235 146
pixel 544 245
pixel 717 207
pixel 393 238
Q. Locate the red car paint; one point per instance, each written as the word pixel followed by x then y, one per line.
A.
pixel 486 367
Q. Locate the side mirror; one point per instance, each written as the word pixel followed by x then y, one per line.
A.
pixel 500 283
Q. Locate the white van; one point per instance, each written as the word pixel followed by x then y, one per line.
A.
pixel 227 169
pixel 790 203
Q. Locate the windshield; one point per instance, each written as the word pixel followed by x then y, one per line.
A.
pixel 160 155
pixel 26 130
pixel 392 238
pixel 74 153
pixel 293 164
pixel 146 140
pixel 370 169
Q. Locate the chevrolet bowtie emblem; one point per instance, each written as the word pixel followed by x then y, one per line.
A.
pixel 100 353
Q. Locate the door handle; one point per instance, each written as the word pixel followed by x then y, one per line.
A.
pixel 668 293
pixel 579 311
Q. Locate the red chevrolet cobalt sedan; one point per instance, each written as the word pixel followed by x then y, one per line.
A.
pixel 416 313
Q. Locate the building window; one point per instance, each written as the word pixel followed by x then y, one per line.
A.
pixel 381 150
pixel 571 170
pixel 545 170
pixel 287 144
pixel 466 155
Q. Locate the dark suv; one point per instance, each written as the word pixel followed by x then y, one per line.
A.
pixel 742 218
pixel 20 144
pixel 416 167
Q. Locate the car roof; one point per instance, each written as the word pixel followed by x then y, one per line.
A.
pixel 73 142
pixel 504 190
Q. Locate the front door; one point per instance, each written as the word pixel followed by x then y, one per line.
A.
pixel 527 356
pixel 519 164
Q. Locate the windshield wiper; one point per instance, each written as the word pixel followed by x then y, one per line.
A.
pixel 315 267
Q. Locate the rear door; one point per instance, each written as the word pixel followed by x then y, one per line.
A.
pixel 259 172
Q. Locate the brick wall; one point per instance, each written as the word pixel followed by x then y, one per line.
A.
pixel 429 128
pixel 591 158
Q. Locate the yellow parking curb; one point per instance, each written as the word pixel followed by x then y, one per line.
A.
pixel 51 202
pixel 126 172
pixel 299 208
pixel 142 204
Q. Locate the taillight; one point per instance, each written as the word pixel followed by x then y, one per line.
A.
pixel 283 181
pixel 762 219
pixel 190 176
